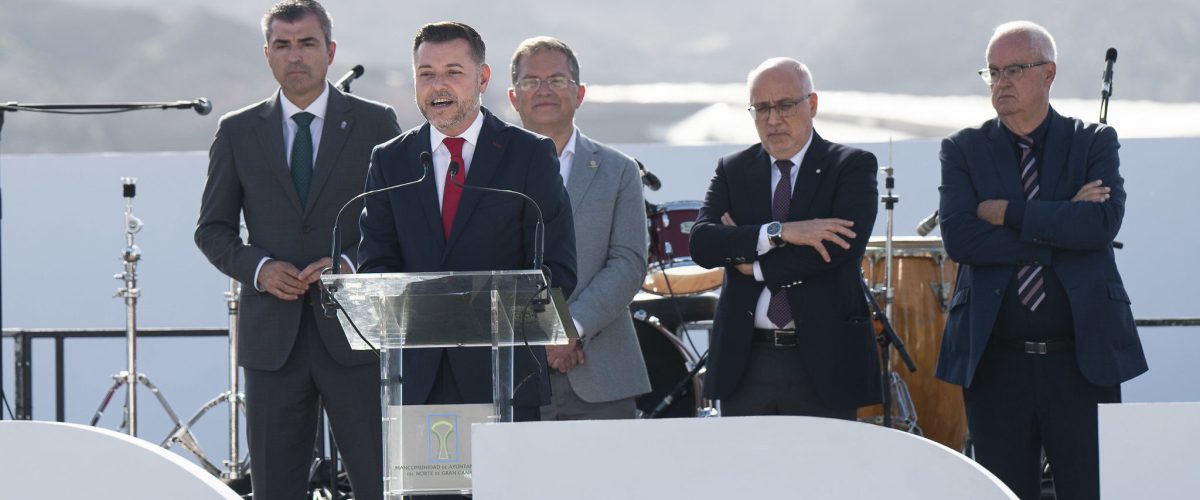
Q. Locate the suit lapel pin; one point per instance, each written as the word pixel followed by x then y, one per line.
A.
pixel 343 124
pixel 592 164
pixel 818 170
pixel 498 146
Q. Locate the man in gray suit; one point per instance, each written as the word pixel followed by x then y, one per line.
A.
pixel 599 376
pixel 287 164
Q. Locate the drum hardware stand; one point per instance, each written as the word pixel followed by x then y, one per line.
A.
pixel 669 399
pixel 889 200
pixel 130 378
pixel 891 381
pixel 235 468
pixel 888 339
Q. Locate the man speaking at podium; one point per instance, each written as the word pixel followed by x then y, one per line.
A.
pixel 438 226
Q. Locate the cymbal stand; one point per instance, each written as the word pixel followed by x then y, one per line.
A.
pixel 130 378
pixel 235 467
pixel 893 385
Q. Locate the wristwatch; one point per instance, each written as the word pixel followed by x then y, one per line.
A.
pixel 775 234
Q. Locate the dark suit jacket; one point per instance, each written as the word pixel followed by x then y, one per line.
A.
pixel 836 336
pixel 1075 238
pixel 402 232
pixel 248 174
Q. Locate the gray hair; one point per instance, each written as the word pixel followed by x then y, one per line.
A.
pixel 806 79
pixel 1039 39
pixel 539 43
pixel 290 11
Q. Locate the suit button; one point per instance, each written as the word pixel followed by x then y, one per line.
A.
pixel 997 291
pixel 306 229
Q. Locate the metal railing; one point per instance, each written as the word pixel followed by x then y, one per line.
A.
pixel 22 397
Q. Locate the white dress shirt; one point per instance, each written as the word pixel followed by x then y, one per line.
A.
pixel 567 157
pixel 764 243
pixel 441 154
pixel 317 109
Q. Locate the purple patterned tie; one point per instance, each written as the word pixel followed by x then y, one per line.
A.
pixel 778 309
pixel 1031 286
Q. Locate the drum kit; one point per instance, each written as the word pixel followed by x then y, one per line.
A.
pixel 911 275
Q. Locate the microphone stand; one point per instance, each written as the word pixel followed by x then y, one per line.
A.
pixel 1110 58
pixel 201 105
pixel 669 399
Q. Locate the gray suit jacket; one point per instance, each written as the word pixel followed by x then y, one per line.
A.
pixel 248 175
pixel 610 246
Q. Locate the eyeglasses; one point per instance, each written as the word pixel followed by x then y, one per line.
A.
pixel 554 82
pixel 1013 72
pixel 785 109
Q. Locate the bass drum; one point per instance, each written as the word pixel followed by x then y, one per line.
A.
pixel 668 360
pixel 923 277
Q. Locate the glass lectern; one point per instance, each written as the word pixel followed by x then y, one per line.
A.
pixel 426 448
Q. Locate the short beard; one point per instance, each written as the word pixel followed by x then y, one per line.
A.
pixel 462 111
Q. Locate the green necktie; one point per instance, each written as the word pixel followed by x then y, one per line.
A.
pixel 302 155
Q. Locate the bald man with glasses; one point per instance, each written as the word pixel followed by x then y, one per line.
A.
pixel 789 219
pixel 1040 329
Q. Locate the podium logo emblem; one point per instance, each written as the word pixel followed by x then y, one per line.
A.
pixel 443 438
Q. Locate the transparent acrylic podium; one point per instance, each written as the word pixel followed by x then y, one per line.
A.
pixel 427 447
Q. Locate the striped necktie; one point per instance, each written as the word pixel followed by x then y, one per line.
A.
pixel 1031 289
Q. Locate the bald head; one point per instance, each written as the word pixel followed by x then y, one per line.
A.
pixel 781 66
pixel 1041 43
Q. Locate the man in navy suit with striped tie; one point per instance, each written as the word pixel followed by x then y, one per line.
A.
pixel 1039 330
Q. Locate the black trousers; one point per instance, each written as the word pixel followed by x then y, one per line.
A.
pixel 1020 403
pixel 281 417
pixel 777 383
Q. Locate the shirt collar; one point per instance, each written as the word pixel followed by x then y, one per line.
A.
pixel 471 134
pixel 1038 135
pixel 317 108
pixel 570 147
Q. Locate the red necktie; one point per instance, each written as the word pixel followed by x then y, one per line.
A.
pixel 450 192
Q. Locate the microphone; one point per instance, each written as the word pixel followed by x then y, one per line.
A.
pixel 928 224
pixel 1110 58
pixel 648 178
pixel 343 83
pixel 539 232
pixel 203 106
pixel 327 302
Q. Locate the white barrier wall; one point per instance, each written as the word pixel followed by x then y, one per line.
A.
pixel 1148 450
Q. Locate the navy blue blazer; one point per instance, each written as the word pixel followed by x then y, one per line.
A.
pixel 402 232
pixel 1074 238
pixel 837 339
